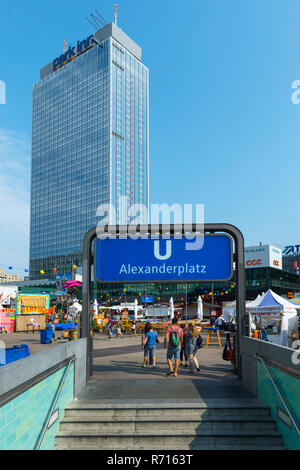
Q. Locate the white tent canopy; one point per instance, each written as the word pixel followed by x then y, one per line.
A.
pixel 272 309
pixel 76 307
pixel 256 302
pixel 75 310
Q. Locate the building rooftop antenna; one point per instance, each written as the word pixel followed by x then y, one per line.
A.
pixel 101 17
pixel 116 12
pixel 97 21
pixel 94 26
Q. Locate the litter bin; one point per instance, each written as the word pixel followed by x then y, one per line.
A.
pixel 14 354
pixel 46 336
pixel 73 334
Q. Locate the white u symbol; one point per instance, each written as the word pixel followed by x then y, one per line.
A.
pixel 157 251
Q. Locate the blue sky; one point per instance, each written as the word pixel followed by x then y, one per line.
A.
pixel 223 129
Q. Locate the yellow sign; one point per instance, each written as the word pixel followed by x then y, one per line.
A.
pixel 34 309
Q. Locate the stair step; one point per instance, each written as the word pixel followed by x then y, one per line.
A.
pixel 246 425
pixel 208 423
pixel 170 413
pixel 176 448
pixel 161 438
pixel 223 419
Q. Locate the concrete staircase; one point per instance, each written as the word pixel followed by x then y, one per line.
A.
pixel 177 426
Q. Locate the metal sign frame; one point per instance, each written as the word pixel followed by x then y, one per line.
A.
pixel 146 231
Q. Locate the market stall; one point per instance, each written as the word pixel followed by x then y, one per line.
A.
pixel 276 316
pixel 31 309
pixel 7 322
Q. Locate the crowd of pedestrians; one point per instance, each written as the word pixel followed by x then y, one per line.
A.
pixel 181 343
pixel 178 342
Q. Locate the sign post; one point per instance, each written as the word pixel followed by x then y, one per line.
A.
pixel 163 258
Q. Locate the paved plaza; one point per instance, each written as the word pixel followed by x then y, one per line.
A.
pixel 118 374
pixel 31 339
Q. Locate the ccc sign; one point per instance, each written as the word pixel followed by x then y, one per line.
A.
pixel 258 262
pixel 254 262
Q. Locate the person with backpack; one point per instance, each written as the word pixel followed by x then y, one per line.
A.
pixel 191 346
pixel 174 339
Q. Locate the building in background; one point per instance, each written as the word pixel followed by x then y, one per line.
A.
pixel 266 269
pixel 90 146
pixel 291 259
pixel 263 256
pixel 9 277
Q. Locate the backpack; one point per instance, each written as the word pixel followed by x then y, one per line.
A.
pixel 199 342
pixel 228 351
pixel 174 338
pixel 230 326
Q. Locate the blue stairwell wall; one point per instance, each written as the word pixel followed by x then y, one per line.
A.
pixel 289 386
pixel 27 390
pixel 22 418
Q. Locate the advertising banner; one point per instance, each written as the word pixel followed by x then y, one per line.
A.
pixel 7 294
pixel 263 256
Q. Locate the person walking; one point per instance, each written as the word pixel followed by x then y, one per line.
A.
pixel 150 341
pixel 146 330
pixel 133 327
pixel 220 323
pixel 182 351
pixel 110 327
pixel 174 339
pixel 191 346
pixel 119 330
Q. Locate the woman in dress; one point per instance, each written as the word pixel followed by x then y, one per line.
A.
pixel 191 346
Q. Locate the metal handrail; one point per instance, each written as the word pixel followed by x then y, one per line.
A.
pixel 53 404
pixel 278 393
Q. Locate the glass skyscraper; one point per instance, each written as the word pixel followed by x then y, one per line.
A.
pixel 90 145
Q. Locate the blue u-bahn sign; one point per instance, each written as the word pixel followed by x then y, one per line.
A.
pixel 149 260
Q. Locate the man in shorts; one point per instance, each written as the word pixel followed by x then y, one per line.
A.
pixel 174 339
